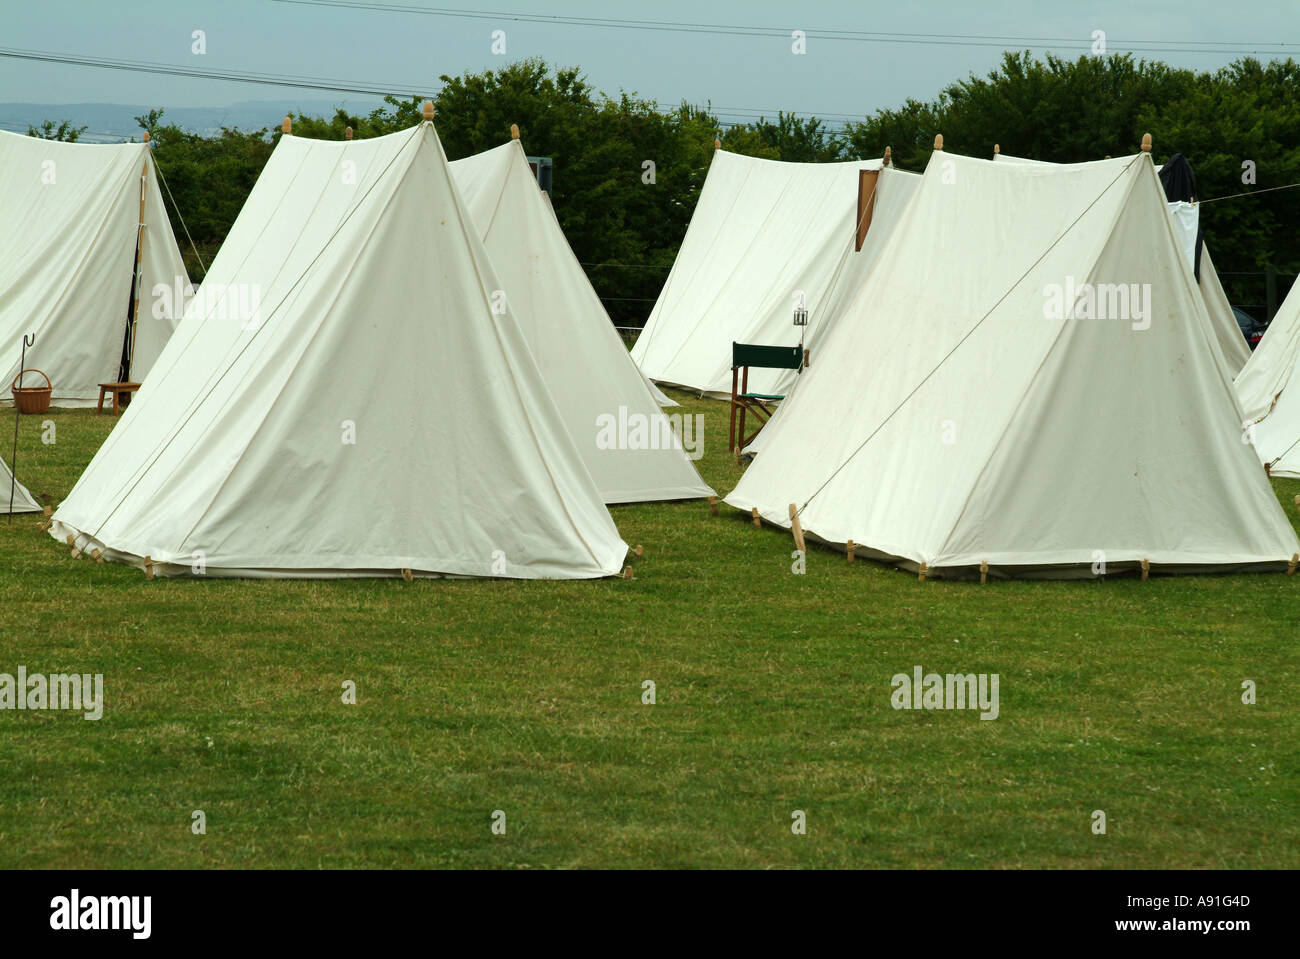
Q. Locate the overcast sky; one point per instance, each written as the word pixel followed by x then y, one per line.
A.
pixel 741 75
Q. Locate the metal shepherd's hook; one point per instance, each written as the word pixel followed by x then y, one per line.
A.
pixel 28 340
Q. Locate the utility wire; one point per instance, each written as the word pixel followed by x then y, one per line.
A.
pixel 745 30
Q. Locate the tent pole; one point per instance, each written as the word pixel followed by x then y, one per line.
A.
pixel 28 340
pixel 139 260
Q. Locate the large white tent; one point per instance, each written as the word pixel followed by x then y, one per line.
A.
pixel 587 367
pixel 762 232
pixel 1045 396
pixel 70 216
pixel 24 501
pixel 1269 390
pixel 1233 347
pixel 376 416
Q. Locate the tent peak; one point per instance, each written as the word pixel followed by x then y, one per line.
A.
pixel 938 141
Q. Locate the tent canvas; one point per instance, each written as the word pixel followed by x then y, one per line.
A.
pixel 1186 218
pixel 374 417
pixel 1009 422
pixel 894 190
pixel 762 231
pixel 24 502
pixel 69 220
pixel 589 371
pixel 1269 390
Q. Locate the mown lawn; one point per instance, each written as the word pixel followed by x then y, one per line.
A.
pixel 773 694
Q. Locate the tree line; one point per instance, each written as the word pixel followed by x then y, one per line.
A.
pixel 625 219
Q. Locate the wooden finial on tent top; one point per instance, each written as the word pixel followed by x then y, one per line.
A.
pixel 514 131
pixel 286 125
pixel 427 110
pixel 717 144
pixel 1146 143
pixel 347 133
pixel 997 148
pixel 146 136
pixel 938 141
pixel 888 158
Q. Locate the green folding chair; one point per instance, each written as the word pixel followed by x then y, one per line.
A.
pixel 743 402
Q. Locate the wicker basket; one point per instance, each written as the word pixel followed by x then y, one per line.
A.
pixel 32 399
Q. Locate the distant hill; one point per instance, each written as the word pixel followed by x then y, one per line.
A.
pixel 115 122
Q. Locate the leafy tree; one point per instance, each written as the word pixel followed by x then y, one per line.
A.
pixel 64 131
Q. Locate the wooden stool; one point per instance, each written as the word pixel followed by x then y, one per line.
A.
pixel 121 395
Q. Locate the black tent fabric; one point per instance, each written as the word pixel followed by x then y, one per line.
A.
pixel 1179 180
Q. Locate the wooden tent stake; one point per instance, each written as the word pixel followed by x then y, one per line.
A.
pixel 627 573
pixel 1297 503
pixel 758 523
pixel 49 510
pixel 713 505
pixel 1290 567
pixel 148 567
pixel 921 573
pixel 849 548
pixel 797 528
pixel 984 572
pixel 1146 569
pixel 638 551
pixel 407 575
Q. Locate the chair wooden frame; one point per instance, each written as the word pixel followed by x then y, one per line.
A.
pixel 743 402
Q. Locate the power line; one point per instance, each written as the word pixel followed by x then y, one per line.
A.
pixel 272 79
pixel 314 83
pixel 861 36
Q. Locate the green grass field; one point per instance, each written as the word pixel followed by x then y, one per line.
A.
pixel 773 694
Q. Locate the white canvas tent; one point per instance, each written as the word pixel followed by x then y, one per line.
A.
pixel 70 214
pixel 586 365
pixel 1269 390
pixel 762 231
pixel 23 501
pixel 1024 415
pixel 1186 217
pixel 373 416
